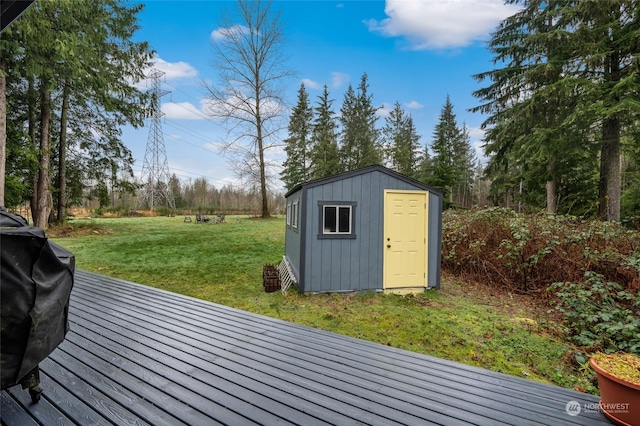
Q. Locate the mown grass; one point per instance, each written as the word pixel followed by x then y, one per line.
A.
pixel 222 263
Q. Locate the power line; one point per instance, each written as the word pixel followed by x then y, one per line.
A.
pixel 192 133
pixel 155 168
pixel 221 181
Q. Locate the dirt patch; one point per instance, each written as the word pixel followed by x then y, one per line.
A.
pixel 77 230
pixel 515 305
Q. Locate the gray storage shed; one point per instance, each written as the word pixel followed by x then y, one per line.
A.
pixel 367 229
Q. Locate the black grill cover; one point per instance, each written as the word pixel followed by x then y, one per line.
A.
pixel 36 277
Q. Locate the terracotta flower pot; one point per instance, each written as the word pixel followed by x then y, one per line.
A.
pixel 619 399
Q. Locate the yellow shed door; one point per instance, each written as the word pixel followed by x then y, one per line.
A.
pixel 405 239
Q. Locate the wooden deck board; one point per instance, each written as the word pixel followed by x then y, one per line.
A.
pixel 137 355
pixel 12 412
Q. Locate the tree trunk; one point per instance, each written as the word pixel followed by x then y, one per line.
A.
pixel 520 189
pixel 62 158
pixel 3 128
pixel 552 196
pixel 31 99
pixel 610 184
pixel 263 176
pixel 43 195
pixel 610 181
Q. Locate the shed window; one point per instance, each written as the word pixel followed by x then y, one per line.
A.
pixel 294 214
pixel 289 214
pixel 337 220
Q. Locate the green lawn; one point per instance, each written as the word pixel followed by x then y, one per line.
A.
pixel 223 263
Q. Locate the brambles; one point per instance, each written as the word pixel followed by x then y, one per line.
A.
pixel 590 269
pixel 527 253
pixel 598 314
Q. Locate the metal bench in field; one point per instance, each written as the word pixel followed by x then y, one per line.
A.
pixel 202 219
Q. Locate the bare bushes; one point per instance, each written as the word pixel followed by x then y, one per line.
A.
pixel 528 253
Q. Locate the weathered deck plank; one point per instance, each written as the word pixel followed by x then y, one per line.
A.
pixel 138 355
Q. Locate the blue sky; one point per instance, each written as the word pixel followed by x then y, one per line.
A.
pixel 415 52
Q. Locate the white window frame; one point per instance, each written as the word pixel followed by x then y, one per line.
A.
pixel 337 231
pixel 294 214
pixel 338 204
pixel 288 214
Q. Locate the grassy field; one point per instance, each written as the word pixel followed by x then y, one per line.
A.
pixel 223 263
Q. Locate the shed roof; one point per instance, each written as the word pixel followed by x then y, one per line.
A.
pixel 364 170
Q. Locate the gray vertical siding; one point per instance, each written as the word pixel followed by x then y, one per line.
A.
pixel 293 237
pixel 348 264
pixel 434 240
pixel 336 264
pixel 324 265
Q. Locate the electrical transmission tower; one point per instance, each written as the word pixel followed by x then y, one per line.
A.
pixel 155 169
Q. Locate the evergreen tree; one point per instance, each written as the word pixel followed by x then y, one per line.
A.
pixel 631 182
pixel 349 137
pixel 74 60
pixel 425 171
pixel 176 189
pixel 465 162
pixel 533 99
pixel 297 165
pixel 360 138
pixel 481 186
pixel 445 167
pixel 568 69
pixel 324 155
pixel 401 142
pixel 605 47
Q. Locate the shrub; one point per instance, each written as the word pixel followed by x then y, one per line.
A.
pixel 527 253
pixel 599 315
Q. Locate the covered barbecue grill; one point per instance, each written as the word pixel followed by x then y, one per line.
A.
pixel 36 277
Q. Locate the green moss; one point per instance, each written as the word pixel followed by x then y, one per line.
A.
pixel 622 365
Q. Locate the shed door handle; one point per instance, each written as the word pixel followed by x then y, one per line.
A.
pixel 388 245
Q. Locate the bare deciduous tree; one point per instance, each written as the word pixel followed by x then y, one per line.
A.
pixel 248 95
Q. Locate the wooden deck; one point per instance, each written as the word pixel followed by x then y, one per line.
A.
pixel 137 355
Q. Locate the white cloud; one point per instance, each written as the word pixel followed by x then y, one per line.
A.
pixel 226 181
pixel 478 147
pixel 174 70
pixel 338 79
pixel 414 105
pixel 441 24
pixel 182 111
pixel 384 110
pixel 171 70
pixel 173 136
pixel 475 132
pixel 241 107
pixel 311 84
pixel 222 33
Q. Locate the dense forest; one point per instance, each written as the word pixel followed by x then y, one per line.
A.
pixel 562 127
pixel 321 143
pixel 67 74
pixel 562 132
